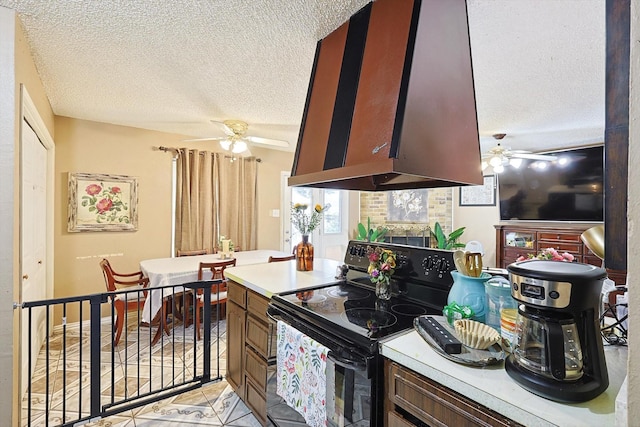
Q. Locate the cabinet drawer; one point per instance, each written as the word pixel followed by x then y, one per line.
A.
pixel 559 236
pixel 511 254
pixel 257 305
pixel 435 404
pixel 236 318
pixel 574 248
pixel 395 420
pixel 237 293
pixel 592 259
pixel 256 368
pixel 256 401
pixel 258 335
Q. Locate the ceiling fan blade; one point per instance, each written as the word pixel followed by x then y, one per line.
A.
pixel 543 157
pixel 204 139
pixel 227 130
pixel 267 141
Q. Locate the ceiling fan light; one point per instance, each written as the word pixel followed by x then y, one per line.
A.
pixel 239 146
pixel 515 162
pixel 495 161
pixel 225 143
pixel 498 169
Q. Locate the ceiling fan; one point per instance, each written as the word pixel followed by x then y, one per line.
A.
pixel 498 157
pixel 235 140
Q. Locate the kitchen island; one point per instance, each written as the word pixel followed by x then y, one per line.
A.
pixel 495 390
pixel 250 333
pixel 276 277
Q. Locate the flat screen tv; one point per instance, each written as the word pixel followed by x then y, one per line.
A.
pixel 570 188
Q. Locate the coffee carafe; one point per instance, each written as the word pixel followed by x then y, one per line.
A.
pixel 558 352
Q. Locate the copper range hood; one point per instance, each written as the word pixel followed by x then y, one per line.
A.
pixel 391 102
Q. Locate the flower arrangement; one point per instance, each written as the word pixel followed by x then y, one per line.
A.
pixel 304 223
pixel 382 265
pixel 220 244
pixel 549 254
pixel 106 202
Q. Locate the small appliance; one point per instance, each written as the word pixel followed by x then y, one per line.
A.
pixel 558 352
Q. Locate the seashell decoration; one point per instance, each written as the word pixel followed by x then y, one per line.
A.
pixel 475 334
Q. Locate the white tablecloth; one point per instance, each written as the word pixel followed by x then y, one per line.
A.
pixel 179 270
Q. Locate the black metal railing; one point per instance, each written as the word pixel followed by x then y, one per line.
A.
pixel 82 359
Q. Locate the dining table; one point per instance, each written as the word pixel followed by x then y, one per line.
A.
pixel 180 270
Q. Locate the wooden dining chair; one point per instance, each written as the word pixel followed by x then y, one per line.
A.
pixel 281 258
pixel 178 298
pixel 192 253
pixel 210 271
pixel 124 302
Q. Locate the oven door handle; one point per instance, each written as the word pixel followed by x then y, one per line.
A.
pixel 351 362
pixel 354 365
pixel 274 319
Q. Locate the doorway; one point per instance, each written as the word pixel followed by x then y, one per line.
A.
pixel 332 235
pixel 33 249
pixel 36 229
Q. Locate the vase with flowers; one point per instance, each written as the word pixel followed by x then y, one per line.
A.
pixel 225 247
pixel 305 224
pixel 549 254
pixel 382 265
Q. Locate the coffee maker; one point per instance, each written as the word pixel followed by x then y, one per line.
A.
pixel 558 352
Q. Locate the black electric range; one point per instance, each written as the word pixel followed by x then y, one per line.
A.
pixel 346 317
pixel 357 310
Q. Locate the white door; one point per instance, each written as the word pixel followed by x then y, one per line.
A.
pixel 331 237
pixel 33 226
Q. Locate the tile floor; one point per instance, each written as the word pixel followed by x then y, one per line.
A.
pixel 214 404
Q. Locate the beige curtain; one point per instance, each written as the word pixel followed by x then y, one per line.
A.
pixel 215 196
pixel 237 209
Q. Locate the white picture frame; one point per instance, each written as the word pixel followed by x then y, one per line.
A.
pixel 479 195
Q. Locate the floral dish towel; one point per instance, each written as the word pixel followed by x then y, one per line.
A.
pixel 301 374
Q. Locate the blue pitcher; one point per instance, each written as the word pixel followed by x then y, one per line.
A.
pixel 467 290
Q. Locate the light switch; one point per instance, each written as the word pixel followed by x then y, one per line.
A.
pixel 275 213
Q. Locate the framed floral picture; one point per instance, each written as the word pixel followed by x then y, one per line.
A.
pixel 408 206
pixel 100 202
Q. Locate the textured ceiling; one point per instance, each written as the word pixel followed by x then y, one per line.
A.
pixel 174 65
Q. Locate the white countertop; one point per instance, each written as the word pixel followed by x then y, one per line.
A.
pixel 276 277
pixel 493 388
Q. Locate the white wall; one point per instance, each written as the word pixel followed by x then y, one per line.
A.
pixel 479 222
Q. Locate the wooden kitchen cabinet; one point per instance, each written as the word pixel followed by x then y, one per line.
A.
pixel 258 351
pixel 249 347
pixel 413 399
pixel 236 324
pixel 514 240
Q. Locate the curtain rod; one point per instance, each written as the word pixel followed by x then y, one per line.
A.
pixel 175 151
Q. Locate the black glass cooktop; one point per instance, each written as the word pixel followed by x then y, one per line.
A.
pixel 357 309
